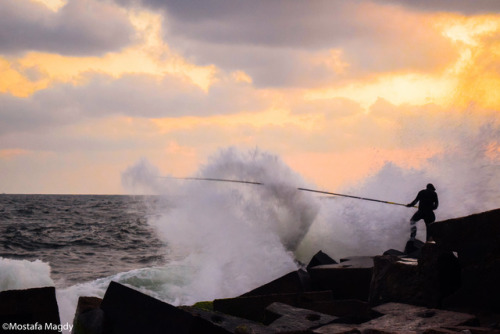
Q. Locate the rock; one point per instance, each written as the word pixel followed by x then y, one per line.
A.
pixel 293 282
pixel 402 318
pixel 475 239
pixel 413 247
pixel 462 330
pixel 35 310
pixel 394 252
pixel 479 288
pixel 339 329
pixel 439 272
pixel 89 317
pixel 347 280
pixel 86 304
pixel 253 307
pixel 229 323
pixel 444 331
pixel 426 282
pixel 394 280
pixel 289 318
pixel 347 311
pixel 320 258
pixel 128 311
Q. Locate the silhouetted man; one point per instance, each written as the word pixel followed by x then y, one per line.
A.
pixel 428 202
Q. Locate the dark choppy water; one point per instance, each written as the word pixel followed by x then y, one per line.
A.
pixel 82 237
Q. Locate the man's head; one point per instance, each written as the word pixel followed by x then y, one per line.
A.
pixel 430 187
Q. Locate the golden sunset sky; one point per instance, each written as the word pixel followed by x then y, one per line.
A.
pixel 335 88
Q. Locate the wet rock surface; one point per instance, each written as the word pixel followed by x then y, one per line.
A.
pixel 402 318
pixel 289 318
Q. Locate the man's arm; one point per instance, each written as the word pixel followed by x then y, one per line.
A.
pixel 414 201
pixel 436 202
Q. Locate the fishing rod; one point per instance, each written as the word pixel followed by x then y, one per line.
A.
pixel 301 189
pixel 350 196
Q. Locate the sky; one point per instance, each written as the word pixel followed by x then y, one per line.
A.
pixel 337 89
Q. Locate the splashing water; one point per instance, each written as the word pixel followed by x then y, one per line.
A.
pixel 224 239
pixel 23 274
pixel 466 175
pixel 234 237
pixel 247 233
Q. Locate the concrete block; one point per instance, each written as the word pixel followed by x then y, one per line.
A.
pixel 348 280
pixel 289 318
pixel 31 310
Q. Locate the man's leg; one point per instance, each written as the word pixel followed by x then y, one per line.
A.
pixel 429 219
pixel 428 235
pixel 413 229
pixel 413 224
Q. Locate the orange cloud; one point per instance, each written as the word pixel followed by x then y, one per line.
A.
pixel 150 55
pixel 262 119
pixel 53 5
pixel 12 153
pixel 472 77
pixel 16 83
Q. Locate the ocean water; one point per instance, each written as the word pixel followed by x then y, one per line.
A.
pixel 189 240
pixel 81 237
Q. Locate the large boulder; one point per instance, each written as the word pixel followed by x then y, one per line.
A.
pixel 413 248
pixel 440 273
pixel 128 311
pixel 476 240
pixel 479 289
pixel 29 311
pixel 394 280
pixel 89 317
pixel 319 259
pixel 253 307
pixel 347 280
pixel 425 282
pixel 293 282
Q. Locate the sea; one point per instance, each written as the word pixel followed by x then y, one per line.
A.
pixel 188 240
pixel 82 237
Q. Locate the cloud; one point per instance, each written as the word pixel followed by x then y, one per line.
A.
pixel 25 115
pixel 283 36
pixel 462 6
pixel 81 27
pixel 142 96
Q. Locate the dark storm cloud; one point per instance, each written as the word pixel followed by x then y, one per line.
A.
pixel 281 23
pixel 81 27
pixel 272 41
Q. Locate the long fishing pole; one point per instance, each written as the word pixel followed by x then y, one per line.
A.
pixel 302 189
pixel 350 196
pixel 212 179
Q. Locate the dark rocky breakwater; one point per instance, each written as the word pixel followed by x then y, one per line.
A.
pixel 450 285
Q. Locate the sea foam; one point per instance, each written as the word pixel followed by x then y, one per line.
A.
pixel 23 274
pixel 233 237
